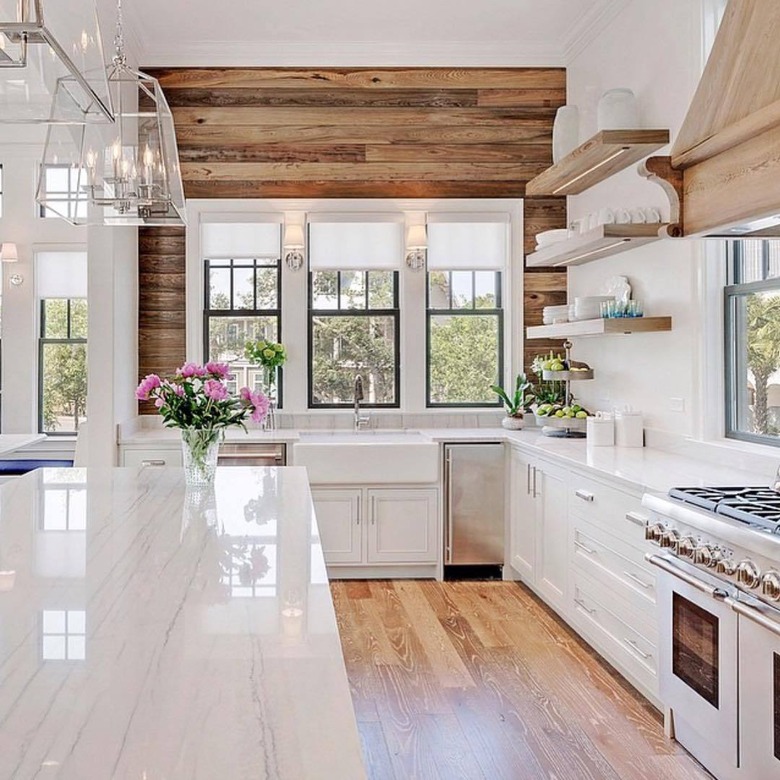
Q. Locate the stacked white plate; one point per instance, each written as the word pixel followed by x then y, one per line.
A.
pixel 589 306
pixel 547 237
pixel 552 315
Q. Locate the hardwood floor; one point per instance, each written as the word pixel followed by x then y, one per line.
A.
pixel 480 680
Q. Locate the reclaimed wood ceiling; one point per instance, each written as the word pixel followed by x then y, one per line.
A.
pixel 362 133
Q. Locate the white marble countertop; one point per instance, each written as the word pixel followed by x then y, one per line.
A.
pixel 147 632
pixel 10 442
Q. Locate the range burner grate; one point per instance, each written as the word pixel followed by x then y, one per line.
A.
pixel 758 506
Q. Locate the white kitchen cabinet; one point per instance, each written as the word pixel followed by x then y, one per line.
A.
pixel 152 457
pixel 548 486
pixel 522 516
pixel 377 527
pixel 338 519
pixel 402 526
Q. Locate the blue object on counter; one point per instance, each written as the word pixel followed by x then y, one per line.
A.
pixel 15 468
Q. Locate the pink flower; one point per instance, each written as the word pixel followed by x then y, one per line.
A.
pixel 148 383
pixel 215 390
pixel 159 403
pixel 260 403
pixel 220 370
pixel 189 370
pixel 245 394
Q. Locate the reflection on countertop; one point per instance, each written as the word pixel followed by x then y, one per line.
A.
pixel 150 631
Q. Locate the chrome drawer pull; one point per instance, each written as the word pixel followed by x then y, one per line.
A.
pixel 152 463
pixel 585 548
pixel 633 645
pixel 581 605
pixel 637 580
pixel 636 518
pixel 584 495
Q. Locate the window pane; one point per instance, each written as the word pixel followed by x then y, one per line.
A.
pixel 462 292
pixel 228 335
pixel 55 318
pixel 267 288
pixel 219 288
pixel 485 286
pixel 325 289
pixel 464 358
pixel 353 290
pixel 346 346
pixel 64 386
pixel 243 288
pixel 755 386
pixel 381 290
pixel 78 319
pixel 439 290
pixel 756 260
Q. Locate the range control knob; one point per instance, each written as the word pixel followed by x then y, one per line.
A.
pixel 748 574
pixel 653 532
pixel 669 537
pixel 704 556
pixel 770 585
pixel 726 566
pixel 685 546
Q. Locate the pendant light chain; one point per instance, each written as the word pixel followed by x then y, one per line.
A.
pixel 120 58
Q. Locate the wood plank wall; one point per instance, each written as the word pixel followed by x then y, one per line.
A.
pixel 349 133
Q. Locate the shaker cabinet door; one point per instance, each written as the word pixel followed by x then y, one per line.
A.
pixel 339 521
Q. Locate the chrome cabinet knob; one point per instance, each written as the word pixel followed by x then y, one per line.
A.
pixel 685 546
pixel 668 538
pixel 653 532
pixel 748 574
pixel 726 566
pixel 770 585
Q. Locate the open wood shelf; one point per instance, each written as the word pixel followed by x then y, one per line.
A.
pixel 603 241
pixel 600 327
pixel 608 152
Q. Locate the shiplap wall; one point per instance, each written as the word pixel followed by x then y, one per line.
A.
pixel 350 133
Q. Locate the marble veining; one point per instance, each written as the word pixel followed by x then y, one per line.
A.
pixel 147 631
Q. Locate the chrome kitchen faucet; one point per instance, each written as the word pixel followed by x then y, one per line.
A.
pixel 361 420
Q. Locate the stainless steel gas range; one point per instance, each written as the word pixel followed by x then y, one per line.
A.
pixel 719 612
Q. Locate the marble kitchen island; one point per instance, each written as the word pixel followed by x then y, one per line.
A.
pixel 151 632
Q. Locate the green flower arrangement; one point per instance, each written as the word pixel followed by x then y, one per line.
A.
pixel 268 354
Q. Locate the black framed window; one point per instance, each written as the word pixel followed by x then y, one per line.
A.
pixel 465 338
pixel 752 348
pixel 354 328
pixel 62 365
pixel 60 187
pixel 243 303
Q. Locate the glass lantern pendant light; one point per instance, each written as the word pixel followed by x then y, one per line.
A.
pixel 123 173
pixel 51 63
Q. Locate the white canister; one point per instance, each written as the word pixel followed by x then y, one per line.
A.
pixel 601 430
pixel 618 110
pixel 566 132
pixel 629 429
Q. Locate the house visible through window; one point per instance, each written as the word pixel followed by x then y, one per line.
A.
pixel 752 317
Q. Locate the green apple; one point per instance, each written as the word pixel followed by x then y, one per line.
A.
pixel 559 413
pixel 581 415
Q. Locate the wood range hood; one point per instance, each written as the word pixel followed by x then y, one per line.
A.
pixel 723 176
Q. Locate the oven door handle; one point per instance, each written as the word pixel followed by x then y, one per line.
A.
pixel 666 565
pixel 753 614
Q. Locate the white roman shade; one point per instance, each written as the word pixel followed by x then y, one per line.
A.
pixel 345 244
pixel 61 274
pixel 469 243
pixel 240 239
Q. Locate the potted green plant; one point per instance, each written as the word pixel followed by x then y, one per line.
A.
pixel 520 400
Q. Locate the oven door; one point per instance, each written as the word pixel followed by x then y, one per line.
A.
pixel 759 692
pixel 697 658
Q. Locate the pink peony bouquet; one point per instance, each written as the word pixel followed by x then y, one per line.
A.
pixel 196 397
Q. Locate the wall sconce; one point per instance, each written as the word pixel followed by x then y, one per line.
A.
pixel 10 254
pixel 293 244
pixel 416 247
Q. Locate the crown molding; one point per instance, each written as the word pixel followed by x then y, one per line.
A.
pixel 349 54
pixel 586 29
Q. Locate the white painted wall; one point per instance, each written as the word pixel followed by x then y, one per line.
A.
pixel 655 50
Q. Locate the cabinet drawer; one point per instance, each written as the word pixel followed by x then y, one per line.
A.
pixel 630 648
pixel 613 562
pixel 618 512
pixel 152 457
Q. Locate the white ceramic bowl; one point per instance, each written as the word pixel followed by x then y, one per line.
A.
pixel 547 237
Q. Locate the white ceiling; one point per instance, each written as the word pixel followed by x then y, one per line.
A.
pixel 360 32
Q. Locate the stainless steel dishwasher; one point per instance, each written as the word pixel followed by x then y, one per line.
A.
pixel 474 505
pixel 252 453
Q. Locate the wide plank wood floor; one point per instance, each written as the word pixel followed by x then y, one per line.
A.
pixel 481 680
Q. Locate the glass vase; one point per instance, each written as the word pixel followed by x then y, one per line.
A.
pixel 270 376
pixel 200 449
